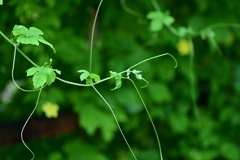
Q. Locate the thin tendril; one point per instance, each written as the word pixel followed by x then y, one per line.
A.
pixel 165 54
pixel 13 66
pixel 93 29
pixel 191 78
pixel 129 10
pixel 115 118
pixel 154 128
pixel 27 122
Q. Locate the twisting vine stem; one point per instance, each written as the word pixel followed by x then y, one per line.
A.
pixel 27 122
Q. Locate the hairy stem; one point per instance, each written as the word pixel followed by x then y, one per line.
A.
pixel 115 118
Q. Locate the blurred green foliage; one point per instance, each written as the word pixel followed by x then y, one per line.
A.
pixel 121 40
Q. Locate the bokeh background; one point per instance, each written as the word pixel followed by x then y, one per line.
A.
pixel 85 128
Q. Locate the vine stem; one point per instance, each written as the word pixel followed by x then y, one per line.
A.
pixel 115 118
pixel 154 128
pixel 12 73
pixel 93 30
pixel 191 79
pixel 27 122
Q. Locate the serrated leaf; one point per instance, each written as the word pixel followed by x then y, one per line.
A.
pixel 85 74
pixel 51 75
pixel 32 71
pixel 39 79
pixel 156 25
pixel 29 36
pixel 42 40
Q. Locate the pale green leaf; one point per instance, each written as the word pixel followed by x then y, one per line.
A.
pixel 19 30
pixel 154 15
pixel 32 71
pixel 1 2
pixel 42 40
pixel 39 79
pixel 28 40
pixel 168 20
pixel 156 25
pixel 95 77
pixel 85 74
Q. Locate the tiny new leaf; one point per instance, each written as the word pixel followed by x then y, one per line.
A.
pixel 29 36
pixel 89 77
pixel 84 74
pixel 118 78
pixel 158 19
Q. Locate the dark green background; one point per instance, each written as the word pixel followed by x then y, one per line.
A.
pixel 122 40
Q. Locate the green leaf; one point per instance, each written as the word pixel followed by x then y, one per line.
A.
pixel 51 76
pixel 168 20
pixel 154 15
pixel 95 77
pixel 118 78
pixel 32 71
pixel 42 40
pixel 1 2
pixel 158 19
pixel 156 25
pixel 85 74
pixel 39 79
pixel 19 30
pixel 29 36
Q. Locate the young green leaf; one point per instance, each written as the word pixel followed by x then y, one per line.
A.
pixel 42 75
pixel 158 19
pixel 118 78
pixel 29 36
pixel 32 71
pixel 84 74
pixel 42 40
pixel 39 79
pixel 1 2
pixel 95 77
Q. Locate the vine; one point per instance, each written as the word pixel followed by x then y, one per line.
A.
pixel 45 75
